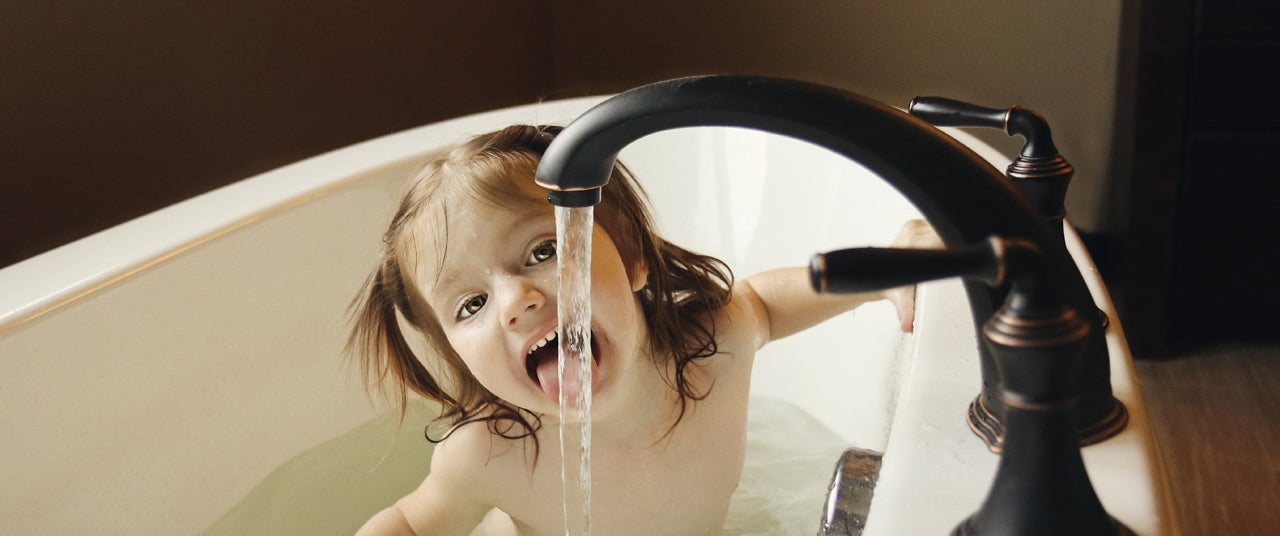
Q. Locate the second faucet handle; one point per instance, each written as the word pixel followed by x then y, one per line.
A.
pixel 1014 120
pixel 867 269
pixel 944 112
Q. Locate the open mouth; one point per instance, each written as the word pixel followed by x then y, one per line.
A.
pixel 542 365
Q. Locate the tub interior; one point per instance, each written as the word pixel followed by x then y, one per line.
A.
pixel 760 201
pixel 152 399
pixel 734 194
pixel 195 383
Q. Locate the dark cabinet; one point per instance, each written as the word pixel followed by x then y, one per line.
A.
pixel 1203 239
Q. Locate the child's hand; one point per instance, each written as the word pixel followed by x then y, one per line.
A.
pixel 919 235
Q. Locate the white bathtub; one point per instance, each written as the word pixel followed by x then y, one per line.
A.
pixel 152 375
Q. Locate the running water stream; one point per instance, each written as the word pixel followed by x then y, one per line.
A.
pixel 573 245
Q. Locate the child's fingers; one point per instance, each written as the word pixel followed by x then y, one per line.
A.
pixel 918 234
pixel 908 317
pixel 904 301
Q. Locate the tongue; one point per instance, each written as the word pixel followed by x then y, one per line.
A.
pixel 548 377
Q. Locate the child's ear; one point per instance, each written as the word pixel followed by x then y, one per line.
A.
pixel 639 276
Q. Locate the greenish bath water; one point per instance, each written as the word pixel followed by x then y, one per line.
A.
pixel 333 488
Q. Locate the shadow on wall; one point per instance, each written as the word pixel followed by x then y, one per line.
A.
pixel 121 110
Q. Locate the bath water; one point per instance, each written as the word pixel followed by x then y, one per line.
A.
pixel 573 248
pixel 790 456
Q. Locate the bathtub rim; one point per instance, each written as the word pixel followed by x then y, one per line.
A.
pixel 49 281
pixel 44 283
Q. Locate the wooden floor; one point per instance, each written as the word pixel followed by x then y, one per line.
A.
pixel 1216 413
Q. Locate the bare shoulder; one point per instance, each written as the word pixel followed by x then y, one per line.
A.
pixel 473 452
pixel 739 332
pixel 745 318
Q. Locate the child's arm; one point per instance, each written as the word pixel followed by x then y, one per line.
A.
pixel 445 504
pixel 785 302
pixel 425 512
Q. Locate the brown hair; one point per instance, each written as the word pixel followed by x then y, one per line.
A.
pixel 682 291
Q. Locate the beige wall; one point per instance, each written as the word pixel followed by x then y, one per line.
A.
pixel 1058 58
pixel 110 112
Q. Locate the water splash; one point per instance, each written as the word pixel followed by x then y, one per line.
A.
pixel 573 239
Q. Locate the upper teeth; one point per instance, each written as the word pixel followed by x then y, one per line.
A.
pixel 543 342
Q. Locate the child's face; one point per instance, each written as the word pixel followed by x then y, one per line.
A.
pixel 495 296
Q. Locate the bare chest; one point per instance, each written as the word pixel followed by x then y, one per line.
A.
pixel 679 486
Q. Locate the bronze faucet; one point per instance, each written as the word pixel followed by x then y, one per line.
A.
pixel 1046 377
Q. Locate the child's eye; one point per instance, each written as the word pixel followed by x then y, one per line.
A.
pixel 472 305
pixel 542 252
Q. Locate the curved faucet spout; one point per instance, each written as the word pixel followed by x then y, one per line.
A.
pixel 963 197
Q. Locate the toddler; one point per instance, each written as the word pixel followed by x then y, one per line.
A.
pixel 469 262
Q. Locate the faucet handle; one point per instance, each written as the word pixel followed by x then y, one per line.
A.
pixel 867 269
pixel 944 112
pixel 1040 173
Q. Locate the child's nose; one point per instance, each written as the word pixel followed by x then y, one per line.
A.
pixel 525 299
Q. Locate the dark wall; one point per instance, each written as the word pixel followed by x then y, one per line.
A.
pixel 107 113
pixel 110 110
